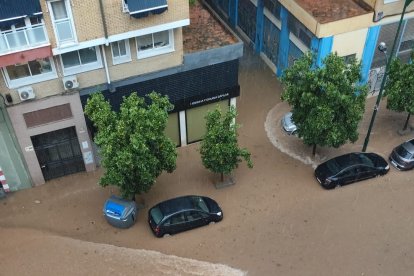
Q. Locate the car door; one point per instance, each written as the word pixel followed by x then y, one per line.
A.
pixel 177 223
pixel 196 219
pixel 347 176
pixel 365 172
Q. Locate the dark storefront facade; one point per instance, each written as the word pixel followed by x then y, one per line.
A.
pixel 193 93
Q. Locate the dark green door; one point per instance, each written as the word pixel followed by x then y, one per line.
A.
pixel 58 153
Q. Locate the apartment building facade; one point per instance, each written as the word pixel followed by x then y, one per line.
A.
pixel 55 53
pixel 282 30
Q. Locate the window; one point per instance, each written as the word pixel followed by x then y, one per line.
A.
pixel 349 58
pixel 62 21
pixel 125 6
pixel 32 72
pixel 120 52
pixel 390 1
pixel 155 44
pixel 81 61
pixel 177 219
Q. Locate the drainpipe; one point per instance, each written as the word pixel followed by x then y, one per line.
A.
pixel 105 29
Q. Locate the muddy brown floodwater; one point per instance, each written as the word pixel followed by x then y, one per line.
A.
pixel 277 219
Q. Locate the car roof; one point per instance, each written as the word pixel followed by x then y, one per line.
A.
pixel 177 204
pixel 341 162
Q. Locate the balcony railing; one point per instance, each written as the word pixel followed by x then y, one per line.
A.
pixel 22 38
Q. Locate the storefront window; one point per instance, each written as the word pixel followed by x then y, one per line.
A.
pixel 196 123
pixel 172 129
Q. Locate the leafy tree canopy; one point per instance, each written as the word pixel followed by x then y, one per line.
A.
pixel 133 146
pixel 327 102
pixel 399 87
pixel 219 150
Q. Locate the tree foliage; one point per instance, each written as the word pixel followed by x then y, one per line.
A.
pixel 133 146
pixel 327 102
pixel 399 87
pixel 219 149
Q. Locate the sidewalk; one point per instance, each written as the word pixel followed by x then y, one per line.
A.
pixel 384 136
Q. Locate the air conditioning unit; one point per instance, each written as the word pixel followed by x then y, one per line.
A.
pixel 26 93
pixel 70 82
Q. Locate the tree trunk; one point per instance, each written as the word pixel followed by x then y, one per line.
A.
pixel 222 177
pixel 314 150
pixel 406 121
pixel 133 198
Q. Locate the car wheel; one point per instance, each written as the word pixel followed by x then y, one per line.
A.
pixel 211 222
pixel 166 235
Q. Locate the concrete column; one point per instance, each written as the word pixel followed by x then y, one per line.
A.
pixel 283 57
pixel 259 26
pixel 369 51
pixel 325 48
pixel 233 12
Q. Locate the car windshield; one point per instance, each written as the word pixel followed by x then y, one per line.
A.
pixel 199 204
pixel 156 214
pixel 401 151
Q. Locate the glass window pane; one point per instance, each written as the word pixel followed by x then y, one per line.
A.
pixel 70 59
pixel 172 129
pixel 122 48
pixel 88 55
pixel 196 123
pixel 161 39
pixel 59 10
pixel 64 31
pixel 16 39
pixel 18 71
pixel 35 67
pixel 115 49
pixel 144 42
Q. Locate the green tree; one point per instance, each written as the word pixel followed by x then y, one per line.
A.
pixel 219 150
pixel 327 102
pixel 133 146
pixel 399 88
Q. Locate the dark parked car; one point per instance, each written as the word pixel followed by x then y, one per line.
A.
pixel 183 213
pixel 402 156
pixel 288 125
pixel 349 168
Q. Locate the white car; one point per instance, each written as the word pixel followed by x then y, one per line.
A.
pixel 288 125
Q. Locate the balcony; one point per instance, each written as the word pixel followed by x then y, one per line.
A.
pixel 22 39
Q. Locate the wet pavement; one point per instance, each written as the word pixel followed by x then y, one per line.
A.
pixel 277 219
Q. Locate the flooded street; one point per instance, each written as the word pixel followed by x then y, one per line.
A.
pixel 277 219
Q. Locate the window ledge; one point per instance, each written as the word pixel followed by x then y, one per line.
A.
pixel 31 80
pixel 155 52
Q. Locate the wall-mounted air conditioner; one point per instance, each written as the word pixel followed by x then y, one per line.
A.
pixel 70 82
pixel 26 93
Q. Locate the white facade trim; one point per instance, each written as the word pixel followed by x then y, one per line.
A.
pixel 272 18
pixel 123 36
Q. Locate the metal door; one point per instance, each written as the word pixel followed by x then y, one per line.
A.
pixel 58 153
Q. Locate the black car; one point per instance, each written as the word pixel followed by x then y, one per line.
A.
pixel 183 213
pixel 402 156
pixel 349 168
